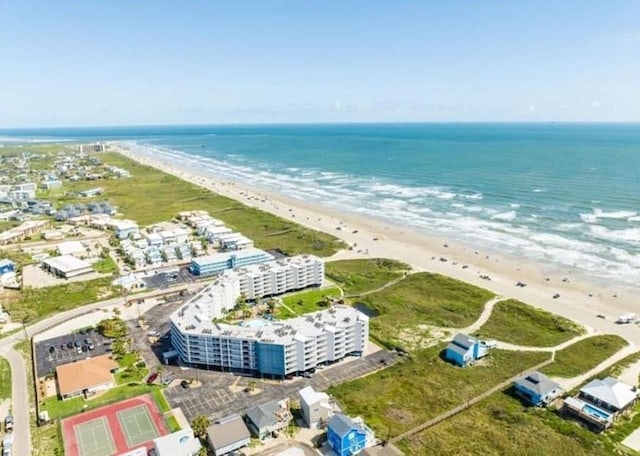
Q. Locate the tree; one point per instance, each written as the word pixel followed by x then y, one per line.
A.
pixel 199 425
pixel 252 385
pixel 271 303
pixel 202 451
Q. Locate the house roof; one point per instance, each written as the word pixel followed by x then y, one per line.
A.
pixel 6 262
pixel 180 443
pixel 85 374
pixel 537 382
pixel 71 247
pixel 463 340
pixel 310 396
pixel 227 431
pixel 610 391
pixel 66 263
pixel 456 348
pixel 341 424
pixel 264 415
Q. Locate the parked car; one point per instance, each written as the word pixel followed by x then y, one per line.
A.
pixel 69 344
pixel 77 343
pixel 167 379
pixel 152 378
pixel 8 423
pixel 52 349
pixel 184 384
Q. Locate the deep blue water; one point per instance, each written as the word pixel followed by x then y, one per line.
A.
pixel 563 194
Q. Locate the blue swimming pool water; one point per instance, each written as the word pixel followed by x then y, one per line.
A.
pixel 257 323
pixel 596 412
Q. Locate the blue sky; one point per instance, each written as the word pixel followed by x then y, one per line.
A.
pixel 73 63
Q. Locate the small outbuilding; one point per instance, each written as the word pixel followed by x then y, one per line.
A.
pixel 7 266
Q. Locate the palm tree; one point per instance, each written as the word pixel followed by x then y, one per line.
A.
pixel 199 425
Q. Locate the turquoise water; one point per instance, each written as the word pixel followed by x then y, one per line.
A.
pixel 566 195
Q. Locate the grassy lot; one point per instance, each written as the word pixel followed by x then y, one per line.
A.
pixel 6 225
pixel 518 323
pixel 161 401
pixel 19 258
pixel 172 424
pixel 358 276
pixel 424 298
pixel 500 425
pixel 5 379
pixel 60 409
pixel 144 198
pixel 423 386
pixel 105 266
pixel 35 303
pixel 134 370
pixel 586 354
pixel 45 440
pixel 305 302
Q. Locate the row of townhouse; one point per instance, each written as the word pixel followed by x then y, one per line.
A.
pixel 215 231
pixel 274 349
pixel 258 281
pixel 19 192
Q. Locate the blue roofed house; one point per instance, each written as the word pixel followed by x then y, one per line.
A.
pixel 464 350
pixel 348 436
pixel 536 388
pixel 7 266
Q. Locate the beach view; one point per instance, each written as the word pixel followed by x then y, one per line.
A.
pixel 442 259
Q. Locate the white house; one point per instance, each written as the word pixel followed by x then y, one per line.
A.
pixel 316 407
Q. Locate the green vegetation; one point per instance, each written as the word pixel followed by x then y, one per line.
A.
pixel 424 385
pixel 172 424
pixel 133 370
pixel 306 301
pixel 58 408
pixel 161 401
pixel 144 198
pixel 18 257
pixel 5 379
pixel 500 425
pixel 35 303
pixel 105 265
pixel 586 354
pixel 7 224
pixel 518 323
pixel 358 276
pixel 199 425
pixel 423 298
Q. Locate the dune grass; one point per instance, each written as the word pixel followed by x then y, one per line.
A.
pixel 358 276
pixel 517 323
pixel 578 358
pixel 5 379
pixel 500 425
pixel 35 303
pixel 424 298
pixel 152 196
pixel 423 386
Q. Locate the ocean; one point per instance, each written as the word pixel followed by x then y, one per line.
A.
pixel 566 196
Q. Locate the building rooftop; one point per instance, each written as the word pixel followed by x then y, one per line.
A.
pixel 538 382
pixel 70 247
pixel 193 320
pixel 180 443
pixel 224 256
pixel 66 263
pixel 610 391
pixel 86 373
pixel 227 431
pixel 341 424
pixel 310 396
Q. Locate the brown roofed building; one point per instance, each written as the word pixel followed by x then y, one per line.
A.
pixel 388 449
pixel 87 376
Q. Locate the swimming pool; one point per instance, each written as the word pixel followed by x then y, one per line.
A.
pixel 256 323
pixel 596 412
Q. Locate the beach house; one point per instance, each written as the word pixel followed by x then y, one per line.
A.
pixel 600 402
pixel 317 408
pixel 7 266
pixel 536 389
pixel 347 436
pixel 464 350
pixel 268 419
pixel 228 435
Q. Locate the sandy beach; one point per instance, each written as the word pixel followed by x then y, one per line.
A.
pixel 578 299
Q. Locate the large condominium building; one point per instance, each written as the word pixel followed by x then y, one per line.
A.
pixel 219 262
pixel 272 349
pixel 259 281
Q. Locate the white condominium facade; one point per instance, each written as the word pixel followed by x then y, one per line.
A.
pixel 268 348
pixel 258 281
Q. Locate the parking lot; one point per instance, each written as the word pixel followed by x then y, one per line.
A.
pixel 164 279
pixel 156 319
pixel 222 394
pixel 50 354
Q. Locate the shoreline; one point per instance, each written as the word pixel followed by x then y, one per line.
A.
pixel 579 300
